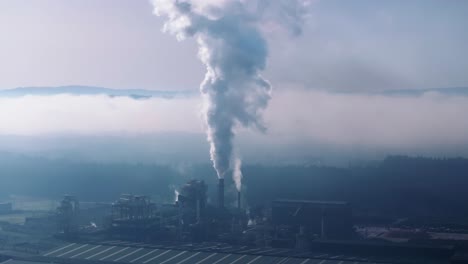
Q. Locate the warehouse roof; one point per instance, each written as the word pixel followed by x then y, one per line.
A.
pixel 15 261
pixel 311 202
pixel 152 254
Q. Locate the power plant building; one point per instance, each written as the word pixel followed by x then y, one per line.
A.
pixel 326 219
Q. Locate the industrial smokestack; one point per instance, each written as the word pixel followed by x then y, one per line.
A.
pixel 221 193
pixel 239 200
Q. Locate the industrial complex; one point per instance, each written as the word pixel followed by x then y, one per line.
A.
pixel 134 229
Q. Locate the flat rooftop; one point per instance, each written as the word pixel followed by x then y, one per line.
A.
pixel 209 253
pixel 15 261
pixel 311 202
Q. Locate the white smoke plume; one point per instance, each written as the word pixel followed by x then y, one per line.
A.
pixel 237 174
pixel 230 35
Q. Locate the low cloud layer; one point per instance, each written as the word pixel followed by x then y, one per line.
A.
pixel 311 121
pixel 88 115
pixel 370 120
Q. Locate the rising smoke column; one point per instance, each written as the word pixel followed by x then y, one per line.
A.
pixel 237 173
pixel 234 51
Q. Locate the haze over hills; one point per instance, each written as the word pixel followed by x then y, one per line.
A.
pixel 164 127
pixel 168 94
pixel 91 90
pixel 454 91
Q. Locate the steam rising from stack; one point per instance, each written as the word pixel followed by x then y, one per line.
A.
pixel 234 51
pixel 237 174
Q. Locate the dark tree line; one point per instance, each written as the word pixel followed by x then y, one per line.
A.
pixel 397 186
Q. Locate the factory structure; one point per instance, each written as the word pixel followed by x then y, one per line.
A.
pixel 191 218
pixel 192 229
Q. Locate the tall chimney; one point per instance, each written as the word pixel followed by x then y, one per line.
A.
pixel 239 199
pixel 221 193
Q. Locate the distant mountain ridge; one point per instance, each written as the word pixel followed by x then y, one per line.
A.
pixel 454 91
pixel 139 94
pixel 449 91
pixel 90 90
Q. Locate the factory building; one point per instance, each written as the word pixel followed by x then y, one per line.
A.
pixel 133 217
pixel 67 216
pixel 191 230
pixel 322 219
pixel 192 198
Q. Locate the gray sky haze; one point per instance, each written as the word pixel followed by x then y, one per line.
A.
pixel 345 45
pixel 327 80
